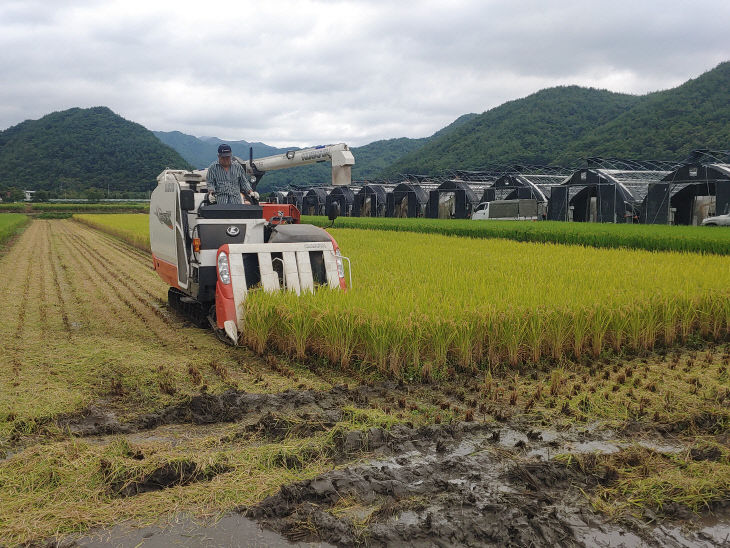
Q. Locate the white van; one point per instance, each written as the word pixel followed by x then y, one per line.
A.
pixel 509 210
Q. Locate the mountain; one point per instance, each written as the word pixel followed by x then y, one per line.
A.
pixel 666 124
pixel 370 159
pixel 532 130
pixel 562 125
pixel 373 158
pixel 82 148
pixel 201 151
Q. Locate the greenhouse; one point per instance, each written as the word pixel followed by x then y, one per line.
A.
pixel 407 200
pixel 344 198
pixel 296 198
pixel 315 201
pixel 689 194
pixel 370 201
pixel 536 184
pixel 601 195
pixel 452 199
pixel 278 197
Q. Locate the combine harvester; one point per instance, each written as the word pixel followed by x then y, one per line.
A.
pixel 212 254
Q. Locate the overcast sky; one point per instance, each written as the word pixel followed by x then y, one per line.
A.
pixel 307 72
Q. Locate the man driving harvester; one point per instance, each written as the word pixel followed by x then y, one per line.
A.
pixel 227 179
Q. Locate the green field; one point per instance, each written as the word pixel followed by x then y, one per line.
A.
pixel 10 223
pixel 650 237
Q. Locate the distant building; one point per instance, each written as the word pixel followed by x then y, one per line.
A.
pixel 28 195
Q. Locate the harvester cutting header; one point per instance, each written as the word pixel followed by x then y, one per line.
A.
pixel 213 254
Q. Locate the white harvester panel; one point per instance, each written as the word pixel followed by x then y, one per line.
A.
pixel 289 259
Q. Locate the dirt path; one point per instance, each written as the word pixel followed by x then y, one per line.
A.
pixel 116 413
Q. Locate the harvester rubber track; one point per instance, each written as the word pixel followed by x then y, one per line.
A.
pixel 192 310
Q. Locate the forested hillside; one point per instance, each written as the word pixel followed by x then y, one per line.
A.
pixel 77 149
pixel 532 130
pixel 562 125
pixel 667 124
pixel 200 152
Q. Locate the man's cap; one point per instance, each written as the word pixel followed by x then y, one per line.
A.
pixel 224 150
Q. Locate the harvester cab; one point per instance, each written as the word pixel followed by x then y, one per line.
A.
pixel 212 255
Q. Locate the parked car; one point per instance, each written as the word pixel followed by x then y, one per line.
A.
pixel 717 220
pixel 510 210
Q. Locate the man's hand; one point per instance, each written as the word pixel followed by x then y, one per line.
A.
pixel 254 195
pixel 211 197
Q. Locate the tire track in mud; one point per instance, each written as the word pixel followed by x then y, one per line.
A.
pixel 112 260
pixel 87 286
pixel 464 483
pixel 17 340
pixel 55 261
pixel 164 327
pixel 231 406
pixel 138 291
pixel 135 309
pixel 112 256
pixel 441 486
pixel 43 268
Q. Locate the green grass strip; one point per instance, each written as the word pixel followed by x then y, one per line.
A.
pixel 699 239
pixel 10 224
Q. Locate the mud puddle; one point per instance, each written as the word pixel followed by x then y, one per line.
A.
pixel 459 485
pixel 468 483
pixel 233 530
pixel 231 406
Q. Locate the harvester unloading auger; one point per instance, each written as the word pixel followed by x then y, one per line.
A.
pixel 212 254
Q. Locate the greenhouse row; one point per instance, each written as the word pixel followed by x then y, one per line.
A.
pixel 605 191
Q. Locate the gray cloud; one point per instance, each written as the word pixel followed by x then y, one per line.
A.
pixel 307 72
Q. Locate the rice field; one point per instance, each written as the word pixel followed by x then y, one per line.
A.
pixel 131 227
pixel 424 302
pixel 114 410
pixel 701 239
pixel 10 224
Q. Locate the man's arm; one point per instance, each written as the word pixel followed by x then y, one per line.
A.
pixel 210 180
pixel 243 183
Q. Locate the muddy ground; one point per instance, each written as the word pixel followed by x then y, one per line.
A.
pixel 465 483
pixel 123 425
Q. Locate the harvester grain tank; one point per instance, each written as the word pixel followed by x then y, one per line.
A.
pixel 212 255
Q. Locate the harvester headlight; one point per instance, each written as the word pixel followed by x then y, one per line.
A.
pixel 340 264
pixel 223 271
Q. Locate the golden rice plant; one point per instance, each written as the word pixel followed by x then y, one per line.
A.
pixel 424 302
pixel 130 227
